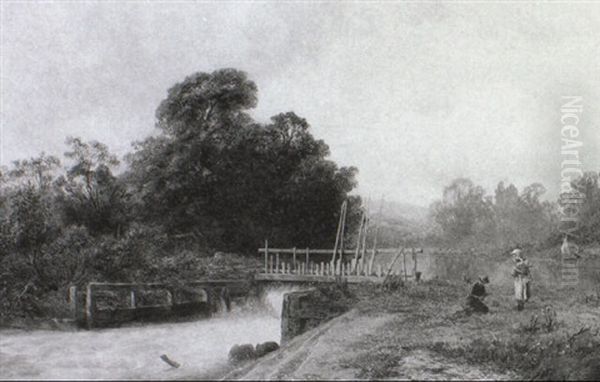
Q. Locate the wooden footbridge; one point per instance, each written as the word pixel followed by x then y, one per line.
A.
pixel 293 265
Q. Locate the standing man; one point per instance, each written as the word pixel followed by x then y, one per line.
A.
pixel 522 278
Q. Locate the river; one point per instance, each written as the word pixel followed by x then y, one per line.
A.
pixel 201 347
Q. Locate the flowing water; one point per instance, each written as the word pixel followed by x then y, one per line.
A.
pixel 201 347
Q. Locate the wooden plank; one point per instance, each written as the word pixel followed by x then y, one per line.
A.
pixel 316 278
pixel 324 251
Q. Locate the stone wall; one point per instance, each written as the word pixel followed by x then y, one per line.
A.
pixel 111 304
pixel 307 309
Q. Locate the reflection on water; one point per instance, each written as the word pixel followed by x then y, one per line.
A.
pixel 134 352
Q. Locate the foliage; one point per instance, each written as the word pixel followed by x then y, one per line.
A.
pixel 463 209
pixel 231 182
pixel 466 215
pixel 91 195
pixel 213 178
pixel 589 214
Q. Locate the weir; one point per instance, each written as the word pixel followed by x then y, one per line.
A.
pixel 111 304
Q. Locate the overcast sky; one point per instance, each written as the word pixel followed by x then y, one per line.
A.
pixel 414 95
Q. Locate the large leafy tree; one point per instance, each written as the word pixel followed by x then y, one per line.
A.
pixel 220 176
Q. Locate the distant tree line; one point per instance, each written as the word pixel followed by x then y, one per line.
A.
pixel 466 215
pixel 212 179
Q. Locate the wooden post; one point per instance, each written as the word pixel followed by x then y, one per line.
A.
pixel 277 262
pixel 282 267
pixel 322 269
pixel 266 255
pixel 378 270
pixel 370 266
pixel 360 234
pixel 294 258
pixel 307 253
pixel 89 306
pixel 340 232
pixel 404 260
pixel 73 301
pixel 366 230
pixel 271 264
pixel 414 253
pixel 132 295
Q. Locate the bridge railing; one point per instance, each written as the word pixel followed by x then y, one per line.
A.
pixel 293 261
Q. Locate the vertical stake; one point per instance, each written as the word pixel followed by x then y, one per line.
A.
pixel 307 252
pixel 266 255
pixel 294 258
pixel 404 260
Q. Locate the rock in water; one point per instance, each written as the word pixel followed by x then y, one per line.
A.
pixel 267 347
pixel 241 353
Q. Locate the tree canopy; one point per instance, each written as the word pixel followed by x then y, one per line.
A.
pixel 218 174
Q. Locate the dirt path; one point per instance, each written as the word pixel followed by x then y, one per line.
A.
pixel 341 349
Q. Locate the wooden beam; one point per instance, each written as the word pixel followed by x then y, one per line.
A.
pixel 324 251
pixel 339 228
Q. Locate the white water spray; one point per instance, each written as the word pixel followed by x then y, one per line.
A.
pixel 134 352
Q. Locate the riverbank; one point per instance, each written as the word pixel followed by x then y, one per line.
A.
pixel 419 331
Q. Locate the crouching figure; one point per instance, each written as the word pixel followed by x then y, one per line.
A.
pixel 475 302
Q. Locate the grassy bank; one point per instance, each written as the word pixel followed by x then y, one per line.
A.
pixel 557 336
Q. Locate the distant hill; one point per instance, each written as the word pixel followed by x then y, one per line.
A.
pixel 400 222
pixel 404 212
